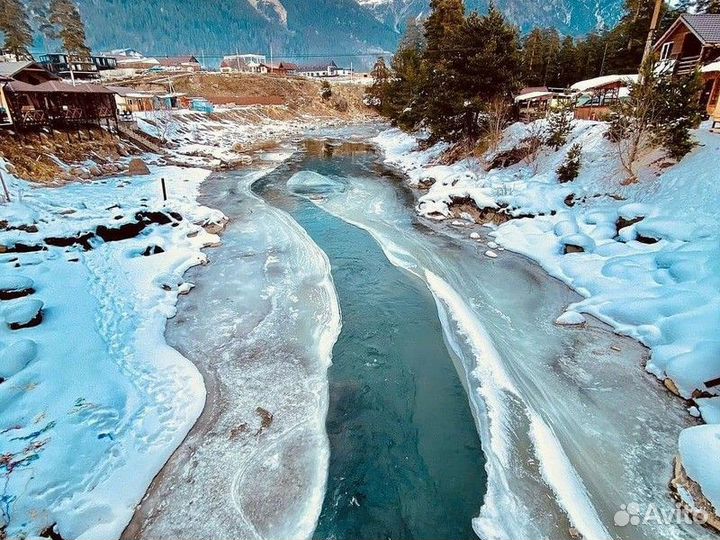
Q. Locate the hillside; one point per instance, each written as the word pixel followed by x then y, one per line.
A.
pixel 296 28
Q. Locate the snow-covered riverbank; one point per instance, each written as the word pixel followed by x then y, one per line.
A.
pixel 650 256
pixel 93 400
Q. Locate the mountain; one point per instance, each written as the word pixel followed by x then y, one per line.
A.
pixel 573 17
pixel 300 29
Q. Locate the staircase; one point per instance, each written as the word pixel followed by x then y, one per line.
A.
pixel 139 138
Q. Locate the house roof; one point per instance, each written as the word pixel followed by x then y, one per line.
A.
pixel 178 60
pixel 531 89
pixel 705 26
pixel 605 80
pixel 50 87
pixel 10 69
pixel 529 96
pixel 317 67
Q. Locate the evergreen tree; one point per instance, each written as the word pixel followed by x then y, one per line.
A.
pixel 405 102
pixel 569 169
pixel 67 25
pixel 15 27
pixel 678 112
pixel 568 66
pixel 484 65
pixel 446 18
pixel 707 6
pixel 378 95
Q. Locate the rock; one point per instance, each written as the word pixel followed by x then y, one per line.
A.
pixel 96 171
pixel 15 357
pixel 570 318
pixel 490 253
pixel 15 287
pixel 492 245
pixel 670 385
pixel 475 236
pixel 153 250
pixel 24 314
pixel 137 167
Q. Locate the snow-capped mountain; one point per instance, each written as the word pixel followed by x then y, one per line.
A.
pixel 575 17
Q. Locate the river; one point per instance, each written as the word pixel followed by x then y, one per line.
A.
pixel 441 349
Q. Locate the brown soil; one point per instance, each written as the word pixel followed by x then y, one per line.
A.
pixel 34 156
pixel 297 94
pixel 682 481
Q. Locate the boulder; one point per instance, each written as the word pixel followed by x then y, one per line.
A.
pixel 15 287
pixel 137 167
pixel 24 314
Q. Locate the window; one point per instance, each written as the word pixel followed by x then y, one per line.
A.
pixel 666 50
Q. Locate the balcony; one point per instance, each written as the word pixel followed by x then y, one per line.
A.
pixel 686 64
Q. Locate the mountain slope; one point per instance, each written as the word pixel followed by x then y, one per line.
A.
pixel 574 17
pixel 293 28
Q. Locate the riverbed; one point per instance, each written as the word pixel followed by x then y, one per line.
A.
pixel 454 406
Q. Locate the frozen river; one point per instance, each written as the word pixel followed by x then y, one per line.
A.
pixel 441 349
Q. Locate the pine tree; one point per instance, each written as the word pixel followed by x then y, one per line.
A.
pixel 707 6
pixel 405 102
pixel 15 27
pixel 445 20
pixel 568 66
pixel 377 95
pixel 483 65
pixel 570 168
pixel 67 25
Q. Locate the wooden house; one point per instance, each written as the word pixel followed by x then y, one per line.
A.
pixel 693 42
pixel 594 97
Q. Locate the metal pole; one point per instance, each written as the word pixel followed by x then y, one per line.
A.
pixel 164 189
pixel 4 185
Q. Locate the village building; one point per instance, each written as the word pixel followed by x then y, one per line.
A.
pixel 77 67
pixel 594 97
pixel 283 68
pixel 329 69
pixel 242 63
pixel 180 63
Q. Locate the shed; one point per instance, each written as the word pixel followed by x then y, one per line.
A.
pixel 596 96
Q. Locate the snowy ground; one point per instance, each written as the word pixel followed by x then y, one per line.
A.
pixel 665 293
pixel 93 400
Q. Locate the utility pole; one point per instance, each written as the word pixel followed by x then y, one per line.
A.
pixel 653 28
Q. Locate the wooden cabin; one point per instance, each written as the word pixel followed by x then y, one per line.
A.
pixel 56 104
pixel 693 42
pixel 594 97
